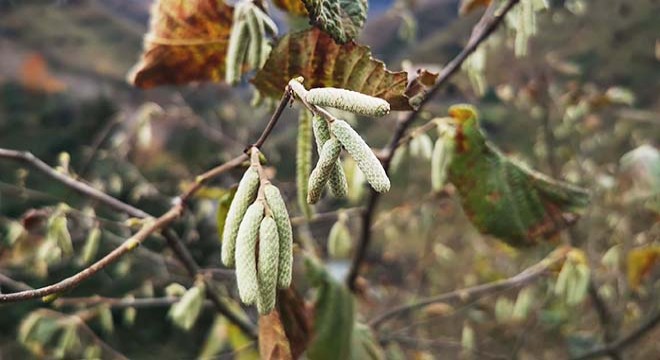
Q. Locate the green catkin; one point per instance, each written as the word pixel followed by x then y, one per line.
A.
pixel 257 36
pixel 337 182
pixel 348 100
pixel 304 160
pixel 236 51
pixel 91 246
pixel 339 240
pixel 298 88
pixel 439 163
pixel 421 146
pixel 321 173
pixel 281 216
pixel 245 195
pixel 362 154
pixel 268 23
pixel 246 245
pixel 268 262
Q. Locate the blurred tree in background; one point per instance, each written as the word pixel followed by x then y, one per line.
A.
pixel 567 87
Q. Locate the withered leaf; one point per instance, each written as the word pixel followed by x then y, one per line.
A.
pixel 273 343
pixel 313 55
pixel 467 6
pixel 186 42
pixel 341 19
pixel 295 7
pixel 295 319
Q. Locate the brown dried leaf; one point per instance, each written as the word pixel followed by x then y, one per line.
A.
pixel 273 343
pixel 186 42
pixel 295 319
pixel 313 55
pixel 295 7
pixel 417 89
pixel 467 6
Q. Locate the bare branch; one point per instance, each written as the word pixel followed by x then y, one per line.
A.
pixel 484 28
pixel 525 277
pixel 624 342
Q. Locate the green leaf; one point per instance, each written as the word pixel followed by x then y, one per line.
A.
pixel 503 197
pixel 341 19
pixel 313 55
pixel 333 315
pixel 364 344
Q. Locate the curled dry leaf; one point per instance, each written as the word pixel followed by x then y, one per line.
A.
pixel 273 343
pixel 186 42
pixel 313 55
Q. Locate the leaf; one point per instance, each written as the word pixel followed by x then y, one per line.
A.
pixel 313 55
pixel 420 86
pixel 364 345
pixel 295 319
pixel 467 6
pixel 186 42
pixel 334 315
pixel 273 343
pixel 640 263
pixel 341 19
pixel 294 7
pixel 36 76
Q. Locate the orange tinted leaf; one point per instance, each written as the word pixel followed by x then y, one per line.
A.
pixel 187 41
pixel 313 55
pixel 273 343
pixel 295 7
pixel 640 263
pixel 467 6
pixel 419 87
pixel 35 75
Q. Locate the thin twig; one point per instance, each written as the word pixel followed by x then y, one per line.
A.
pixel 624 342
pixel 13 284
pixel 484 28
pixel 525 277
pixel 119 303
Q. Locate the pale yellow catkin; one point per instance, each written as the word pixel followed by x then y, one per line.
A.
pixel 236 51
pixel 348 100
pixel 257 36
pixel 246 245
pixel 365 159
pixel 267 266
pixel 321 173
pixel 285 233
pixel 245 195
pixel 304 160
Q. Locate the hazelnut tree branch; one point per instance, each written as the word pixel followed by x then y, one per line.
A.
pixel 467 294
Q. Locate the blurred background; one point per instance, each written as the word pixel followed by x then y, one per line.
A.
pixel 579 102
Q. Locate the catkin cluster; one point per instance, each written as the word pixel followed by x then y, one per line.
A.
pixel 333 135
pixel 258 240
pixel 247 42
